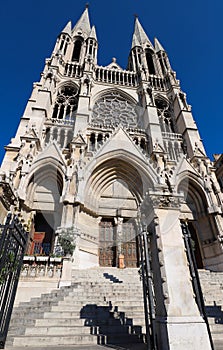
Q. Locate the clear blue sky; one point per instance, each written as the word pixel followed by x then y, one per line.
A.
pixel 191 32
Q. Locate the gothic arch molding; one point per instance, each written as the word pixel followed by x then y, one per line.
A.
pixel 107 170
pixel 49 180
pixel 109 91
pixel 200 225
pixel 190 185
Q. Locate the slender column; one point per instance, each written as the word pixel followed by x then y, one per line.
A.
pixel 119 236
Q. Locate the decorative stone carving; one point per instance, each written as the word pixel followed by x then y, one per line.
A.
pixel 115 109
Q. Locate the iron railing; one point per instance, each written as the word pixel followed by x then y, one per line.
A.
pixel 195 276
pixel 13 239
pixel 148 294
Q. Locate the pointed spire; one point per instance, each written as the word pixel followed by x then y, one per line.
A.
pixel 93 33
pixel 158 46
pixel 135 41
pixel 67 28
pixel 84 22
pixel 140 34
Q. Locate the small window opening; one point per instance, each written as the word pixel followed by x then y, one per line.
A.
pixel 77 50
pixel 100 139
pixel 92 142
pixel 150 63
pixel 143 144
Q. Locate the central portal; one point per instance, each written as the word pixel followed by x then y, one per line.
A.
pixel 118 236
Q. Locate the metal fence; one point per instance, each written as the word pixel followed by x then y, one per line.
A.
pixel 13 239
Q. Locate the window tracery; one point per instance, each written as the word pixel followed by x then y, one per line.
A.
pixel 66 103
pixel 114 109
pixel 163 109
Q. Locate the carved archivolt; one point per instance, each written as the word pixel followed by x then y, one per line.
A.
pixel 114 109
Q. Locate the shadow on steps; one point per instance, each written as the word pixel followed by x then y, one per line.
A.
pixel 215 311
pixel 112 327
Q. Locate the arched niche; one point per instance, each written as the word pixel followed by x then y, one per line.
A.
pixel 201 225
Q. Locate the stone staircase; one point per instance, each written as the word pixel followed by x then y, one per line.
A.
pixel 102 306
pixel 212 286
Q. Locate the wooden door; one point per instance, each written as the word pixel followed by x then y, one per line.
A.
pixel 130 244
pixel 107 249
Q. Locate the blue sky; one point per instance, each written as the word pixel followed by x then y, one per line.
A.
pixel 190 31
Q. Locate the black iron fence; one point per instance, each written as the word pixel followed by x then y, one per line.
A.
pixel 148 294
pixel 13 239
pixel 195 276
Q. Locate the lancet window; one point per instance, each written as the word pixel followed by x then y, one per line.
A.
pixel 66 103
pixel 150 63
pixel 77 50
pixel 64 44
pixel 164 114
pixel 163 62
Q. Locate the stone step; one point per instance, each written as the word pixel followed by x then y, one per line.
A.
pixel 113 302
pixel 93 308
pixel 137 346
pixel 29 341
pixel 96 308
pixel 57 330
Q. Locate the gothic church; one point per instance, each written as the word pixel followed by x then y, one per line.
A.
pixel 103 152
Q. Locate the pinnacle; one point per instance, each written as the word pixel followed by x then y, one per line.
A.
pixel 140 34
pixel 67 28
pixel 158 46
pixel 93 33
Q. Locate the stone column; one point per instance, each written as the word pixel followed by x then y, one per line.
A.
pixel 119 238
pixel 179 325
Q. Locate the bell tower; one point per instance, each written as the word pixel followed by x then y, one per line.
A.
pixel 103 152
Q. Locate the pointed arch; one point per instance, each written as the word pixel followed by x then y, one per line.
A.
pixel 112 167
pixel 150 62
pixel 110 91
pixel 195 211
pixel 78 42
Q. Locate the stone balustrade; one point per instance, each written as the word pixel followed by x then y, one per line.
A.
pixel 112 76
pixel 158 83
pixel 172 136
pixel 41 267
pixel 72 70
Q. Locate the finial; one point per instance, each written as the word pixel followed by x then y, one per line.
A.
pixel 87 5
pixel 114 59
pixel 136 15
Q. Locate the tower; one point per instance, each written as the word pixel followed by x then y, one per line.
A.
pixel 101 152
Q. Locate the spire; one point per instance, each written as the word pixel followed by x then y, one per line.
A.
pixel 84 22
pixel 135 41
pixel 158 46
pixel 93 33
pixel 140 34
pixel 67 28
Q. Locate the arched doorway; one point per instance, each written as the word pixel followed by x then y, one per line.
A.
pixel 43 197
pixel 114 191
pixel 195 212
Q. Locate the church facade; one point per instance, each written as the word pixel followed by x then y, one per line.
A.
pixel 103 152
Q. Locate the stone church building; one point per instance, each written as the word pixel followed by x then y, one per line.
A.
pixel 102 153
